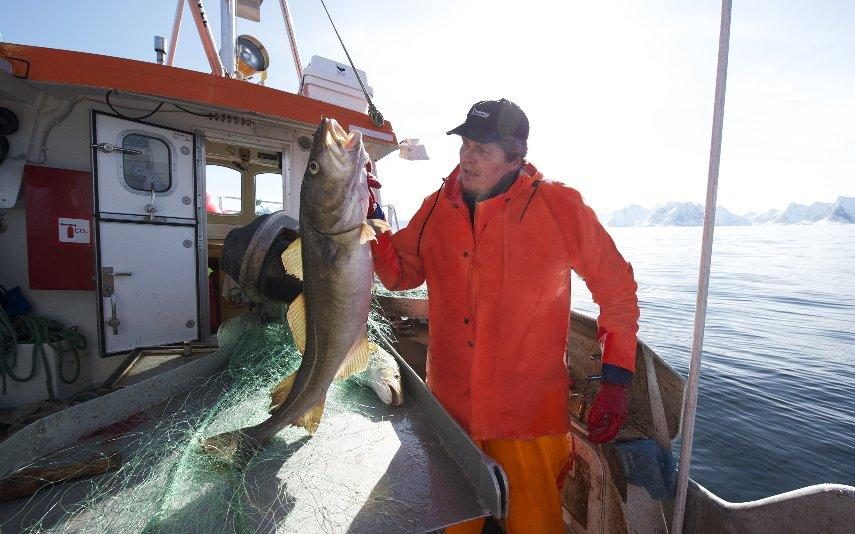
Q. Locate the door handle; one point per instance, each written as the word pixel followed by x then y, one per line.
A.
pixel 113 321
pixel 108 288
pixel 107 148
pixel 150 208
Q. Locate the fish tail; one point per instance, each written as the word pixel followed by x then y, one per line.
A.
pixel 312 419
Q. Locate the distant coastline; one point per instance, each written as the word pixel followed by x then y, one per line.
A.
pixel 841 211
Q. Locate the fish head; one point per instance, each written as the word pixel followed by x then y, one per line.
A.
pixel 334 196
pixel 385 380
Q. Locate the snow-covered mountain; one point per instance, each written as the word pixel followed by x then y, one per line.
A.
pixel 765 218
pixel 692 214
pixel 672 214
pixel 676 214
pixel 723 217
pixel 632 215
pixel 799 213
pixel 842 211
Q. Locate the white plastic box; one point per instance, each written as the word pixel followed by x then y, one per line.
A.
pixel 335 83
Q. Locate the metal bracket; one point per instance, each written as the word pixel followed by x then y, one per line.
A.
pixel 151 208
pixel 108 281
pixel 107 148
pixel 108 290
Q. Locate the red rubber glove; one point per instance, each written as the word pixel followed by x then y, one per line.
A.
pixel 608 412
pixel 373 183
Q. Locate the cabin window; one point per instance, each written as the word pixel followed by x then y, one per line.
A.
pixel 223 186
pixel 151 168
pixel 268 193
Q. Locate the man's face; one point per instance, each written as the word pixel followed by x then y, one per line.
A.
pixel 483 165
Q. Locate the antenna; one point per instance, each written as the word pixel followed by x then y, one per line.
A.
pixel 227 35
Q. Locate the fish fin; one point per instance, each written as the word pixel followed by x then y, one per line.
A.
pixel 380 226
pixel 280 392
pixel 297 321
pixel 367 234
pixel 356 360
pixel 292 259
pixel 312 419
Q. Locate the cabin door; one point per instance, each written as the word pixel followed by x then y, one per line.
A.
pixel 148 247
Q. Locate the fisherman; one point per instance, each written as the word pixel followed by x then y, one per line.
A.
pixel 496 244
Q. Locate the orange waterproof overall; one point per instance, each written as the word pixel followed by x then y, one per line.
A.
pixel 499 301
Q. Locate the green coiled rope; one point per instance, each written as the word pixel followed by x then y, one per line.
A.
pixel 40 332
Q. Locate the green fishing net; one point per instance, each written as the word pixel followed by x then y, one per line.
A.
pixel 166 484
pixel 417 293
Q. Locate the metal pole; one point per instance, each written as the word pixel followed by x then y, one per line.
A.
pixel 176 29
pixel 292 38
pixel 201 20
pixel 158 48
pixel 227 35
pixel 691 400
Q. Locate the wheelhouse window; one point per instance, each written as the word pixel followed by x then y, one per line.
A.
pixel 223 190
pixel 268 193
pixel 149 165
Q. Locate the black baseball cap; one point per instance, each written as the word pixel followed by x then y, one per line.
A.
pixel 490 120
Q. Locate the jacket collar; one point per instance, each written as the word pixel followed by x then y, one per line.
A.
pixel 454 190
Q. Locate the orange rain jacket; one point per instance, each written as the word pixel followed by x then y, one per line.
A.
pixel 499 300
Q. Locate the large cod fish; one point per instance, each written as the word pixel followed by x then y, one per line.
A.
pixel 333 258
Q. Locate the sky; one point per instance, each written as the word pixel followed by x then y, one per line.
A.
pixel 619 94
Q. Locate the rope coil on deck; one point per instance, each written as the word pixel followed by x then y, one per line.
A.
pixel 40 332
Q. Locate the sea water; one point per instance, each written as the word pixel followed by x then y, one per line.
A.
pixel 776 405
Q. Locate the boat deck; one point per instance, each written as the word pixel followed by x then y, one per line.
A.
pixel 369 468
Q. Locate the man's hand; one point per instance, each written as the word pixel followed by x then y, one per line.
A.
pixel 374 209
pixel 608 412
pixel 379 225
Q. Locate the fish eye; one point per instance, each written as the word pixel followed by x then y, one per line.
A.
pixel 314 167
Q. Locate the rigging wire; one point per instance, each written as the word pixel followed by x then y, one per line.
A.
pixel 376 116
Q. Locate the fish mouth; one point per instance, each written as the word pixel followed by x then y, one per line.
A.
pixel 397 397
pixel 335 135
pixel 389 393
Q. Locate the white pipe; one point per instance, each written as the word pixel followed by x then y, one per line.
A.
pixel 292 38
pixel 691 400
pixel 227 35
pixel 198 11
pixel 51 112
pixel 176 29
